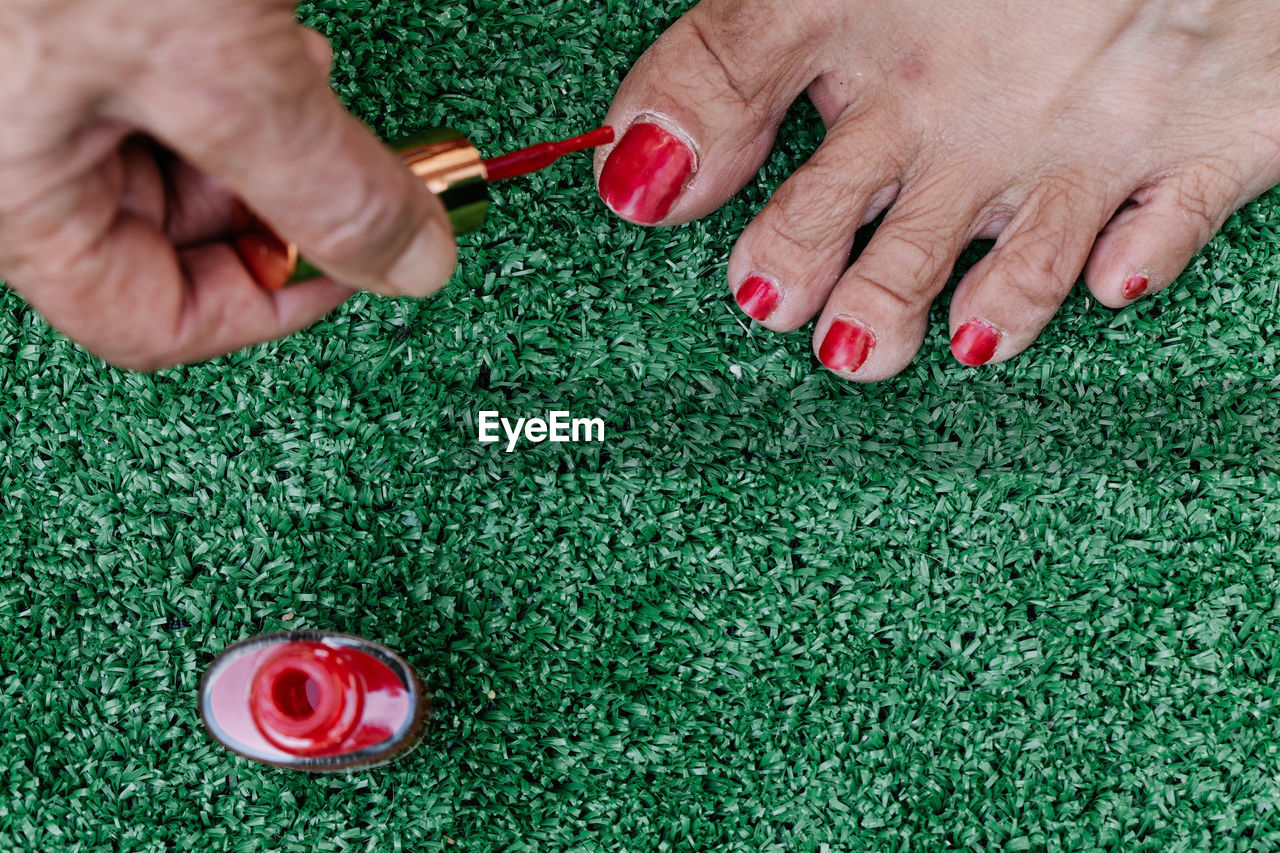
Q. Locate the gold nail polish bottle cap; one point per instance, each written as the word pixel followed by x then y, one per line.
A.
pixel 441 157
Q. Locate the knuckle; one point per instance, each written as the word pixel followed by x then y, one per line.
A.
pixel 730 42
pixel 1204 194
pixel 217 86
pixel 921 259
pixel 799 235
pixel 1034 275
pixel 802 237
pixel 372 228
pixel 722 62
pixel 902 302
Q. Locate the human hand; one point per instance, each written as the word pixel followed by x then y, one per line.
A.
pixel 130 133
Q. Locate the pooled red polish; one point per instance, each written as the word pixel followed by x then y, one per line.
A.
pixel 975 343
pixel 1135 286
pixel 846 346
pixel 758 297
pixel 315 701
pixel 645 173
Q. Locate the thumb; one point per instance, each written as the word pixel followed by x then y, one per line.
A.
pixel 251 106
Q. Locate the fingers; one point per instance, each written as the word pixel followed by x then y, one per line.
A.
pixel 96 256
pixel 1148 244
pixel 698 113
pixel 186 204
pixel 131 300
pixel 143 192
pixel 268 126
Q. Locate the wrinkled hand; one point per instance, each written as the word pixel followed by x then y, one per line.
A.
pixel 129 132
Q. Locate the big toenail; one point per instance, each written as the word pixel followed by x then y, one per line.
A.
pixel 645 173
pixel 846 346
pixel 975 342
pixel 758 297
pixel 1135 286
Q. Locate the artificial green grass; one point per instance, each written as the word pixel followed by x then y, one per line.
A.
pixel 1030 606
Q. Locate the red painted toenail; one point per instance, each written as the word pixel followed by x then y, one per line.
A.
pixel 1135 286
pixel 758 297
pixel 645 173
pixel 846 346
pixel 975 342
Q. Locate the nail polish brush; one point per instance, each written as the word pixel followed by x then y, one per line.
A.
pixel 538 157
pixel 447 163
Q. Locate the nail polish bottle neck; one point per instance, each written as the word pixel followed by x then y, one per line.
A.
pixel 307 698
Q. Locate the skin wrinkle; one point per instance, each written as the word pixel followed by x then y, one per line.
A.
pixel 732 78
pixel 808 240
pixel 836 166
pixel 904 304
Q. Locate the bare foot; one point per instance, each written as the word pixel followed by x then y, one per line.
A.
pixel 1112 137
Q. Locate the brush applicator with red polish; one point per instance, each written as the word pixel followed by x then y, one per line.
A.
pixel 447 163
pixel 540 156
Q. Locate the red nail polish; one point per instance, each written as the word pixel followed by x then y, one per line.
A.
pixel 1135 286
pixel 975 342
pixel 270 260
pixel 846 346
pixel 645 173
pixel 313 700
pixel 757 297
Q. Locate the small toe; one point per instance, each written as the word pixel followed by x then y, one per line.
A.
pixel 1150 242
pixel 789 257
pixel 1007 298
pixel 875 318
pixel 697 115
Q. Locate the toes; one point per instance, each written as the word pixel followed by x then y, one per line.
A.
pixel 875 318
pixel 698 113
pixel 1148 244
pixel 788 259
pixel 1004 301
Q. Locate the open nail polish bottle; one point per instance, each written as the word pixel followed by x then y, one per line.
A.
pixel 317 701
pixel 446 162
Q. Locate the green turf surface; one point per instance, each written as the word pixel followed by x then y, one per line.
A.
pixel 1021 607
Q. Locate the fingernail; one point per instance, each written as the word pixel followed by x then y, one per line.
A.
pixel 1135 286
pixel 645 173
pixel 846 346
pixel 266 257
pixel 425 265
pixel 757 297
pixel 975 342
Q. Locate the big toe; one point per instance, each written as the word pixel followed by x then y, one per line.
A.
pixel 698 113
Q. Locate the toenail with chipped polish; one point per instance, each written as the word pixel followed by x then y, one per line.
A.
pixel 975 342
pixel 757 296
pixel 1135 286
pixel 645 173
pixel 846 346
